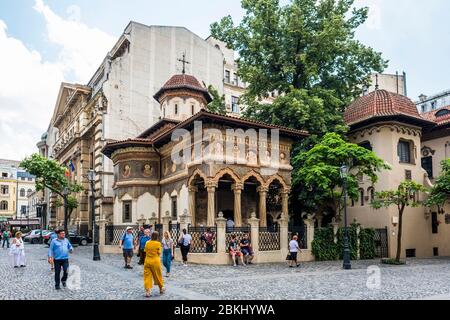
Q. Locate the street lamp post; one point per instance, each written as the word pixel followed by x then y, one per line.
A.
pixel 39 215
pixel 346 264
pixel 66 209
pixel 91 177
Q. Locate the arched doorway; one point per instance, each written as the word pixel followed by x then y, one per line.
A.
pixel 225 196
pixel 250 198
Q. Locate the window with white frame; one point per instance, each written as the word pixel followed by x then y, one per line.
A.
pixel 234 104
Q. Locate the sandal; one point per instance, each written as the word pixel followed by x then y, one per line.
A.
pixel 148 294
pixel 162 290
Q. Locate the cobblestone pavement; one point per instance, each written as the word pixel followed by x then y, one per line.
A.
pixel 107 279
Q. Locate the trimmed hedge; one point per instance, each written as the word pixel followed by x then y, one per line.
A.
pixel 324 248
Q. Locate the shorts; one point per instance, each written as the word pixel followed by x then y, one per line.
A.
pixel 238 253
pixel 247 252
pixel 127 253
pixel 293 256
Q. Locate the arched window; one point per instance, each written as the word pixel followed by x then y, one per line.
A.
pixel 22 192
pixel 371 192
pixel 29 191
pixel 442 113
pixel 361 196
pixel 4 205
pixel 192 108
pixel 366 145
pixel 404 151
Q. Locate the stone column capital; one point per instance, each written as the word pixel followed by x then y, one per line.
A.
pixel 211 185
pixel 237 187
pixel 193 189
pixel 262 189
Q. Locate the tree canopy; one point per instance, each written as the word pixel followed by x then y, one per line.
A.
pixel 217 104
pixel 440 192
pixel 318 171
pixel 303 45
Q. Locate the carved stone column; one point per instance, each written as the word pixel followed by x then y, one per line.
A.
pixel 254 235
pixel 284 236
pixel 237 189
pixel 153 219
pixel 211 187
pixel 262 205
pixel 285 203
pixel 192 192
pixel 221 236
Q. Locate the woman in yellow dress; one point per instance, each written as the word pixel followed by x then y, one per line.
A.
pixel 152 265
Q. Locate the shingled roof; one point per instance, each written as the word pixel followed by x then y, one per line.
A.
pixel 440 116
pixel 380 105
pixel 183 81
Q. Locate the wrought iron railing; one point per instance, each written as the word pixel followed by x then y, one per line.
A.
pixel 174 229
pixel 239 232
pixel 113 234
pixel 269 238
pixel 302 233
pixel 198 243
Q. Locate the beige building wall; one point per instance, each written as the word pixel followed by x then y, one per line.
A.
pixel 416 227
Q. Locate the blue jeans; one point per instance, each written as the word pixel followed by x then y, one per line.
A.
pixel 167 259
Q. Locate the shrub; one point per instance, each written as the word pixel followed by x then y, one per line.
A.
pixel 367 244
pixel 393 262
pixel 323 246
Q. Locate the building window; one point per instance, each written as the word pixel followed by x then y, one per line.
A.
pixel 404 151
pixel 234 104
pixel 4 205
pixel 30 179
pixel 29 191
pixel 22 178
pixel 366 145
pixel 427 165
pixel 410 253
pixel 126 211
pixel 176 109
pixel 192 109
pixel 174 208
pixel 361 196
pixel 23 209
pixel 433 105
pixel 227 76
pixel 22 192
pixel 442 113
pixel 235 79
pixel 434 223
pixel 4 175
pixel 408 175
pixel 164 112
pixel 371 192
pixel 5 189
pixel 424 108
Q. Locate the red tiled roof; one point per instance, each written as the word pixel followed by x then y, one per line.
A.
pixel 431 116
pixel 183 81
pixel 380 103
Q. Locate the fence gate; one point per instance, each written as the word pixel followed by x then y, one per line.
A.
pixel 174 229
pixel 381 243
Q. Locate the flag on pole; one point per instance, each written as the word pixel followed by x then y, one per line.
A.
pixel 67 172
pixel 71 165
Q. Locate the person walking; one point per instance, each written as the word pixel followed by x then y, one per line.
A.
pixel 127 245
pixel 18 250
pixel 152 265
pixel 5 238
pixel 185 244
pixel 168 251
pixel 58 253
pixel 142 241
pixel 293 250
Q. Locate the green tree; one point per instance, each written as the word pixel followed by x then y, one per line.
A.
pixel 217 104
pixel 405 196
pixel 440 192
pixel 51 175
pixel 319 172
pixel 303 45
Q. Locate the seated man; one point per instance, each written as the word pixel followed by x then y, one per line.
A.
pixel 246 249
pixel 234 250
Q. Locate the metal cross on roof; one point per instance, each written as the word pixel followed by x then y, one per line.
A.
pixel 376 81
pixel 184 61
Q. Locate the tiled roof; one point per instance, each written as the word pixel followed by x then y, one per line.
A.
pixel 380 103
pixel 183 81
pixel 440 120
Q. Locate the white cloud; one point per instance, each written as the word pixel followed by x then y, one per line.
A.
pixel 29 85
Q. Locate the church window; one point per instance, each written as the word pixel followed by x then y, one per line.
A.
pixel 126 211
pixel 427 165
pixel 174 208
pixel 176 109
pixel 22 192
pixel 366 145
pixel 404 151
pixel 361 196
pixel 192 109
pixel 4 205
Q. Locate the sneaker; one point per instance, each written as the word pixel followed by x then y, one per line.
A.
pixel 57 287
pixel 64 284
pixel 129 267
pixel 16 266
pixel 22 266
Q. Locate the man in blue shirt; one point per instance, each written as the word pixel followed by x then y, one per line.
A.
pixel 127 245
pixel 52 237
pixel 58 253
pixel 142 241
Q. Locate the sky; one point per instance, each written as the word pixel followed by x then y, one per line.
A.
pixel 45 42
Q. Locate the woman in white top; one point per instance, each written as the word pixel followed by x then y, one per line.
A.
pixel 185 244
pixel 18 251
pixel 293 250
pixel 168 251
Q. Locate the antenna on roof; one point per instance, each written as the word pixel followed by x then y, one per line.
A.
pixel 376 81
pixel 184 61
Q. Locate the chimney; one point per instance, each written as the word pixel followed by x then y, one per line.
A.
pixel 422 97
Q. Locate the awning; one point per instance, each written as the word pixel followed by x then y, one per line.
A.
pixel 24 222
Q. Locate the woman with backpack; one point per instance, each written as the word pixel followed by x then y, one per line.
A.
pixel 185 244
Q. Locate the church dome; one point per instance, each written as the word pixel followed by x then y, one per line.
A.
pixel 180 82
pixel 381 104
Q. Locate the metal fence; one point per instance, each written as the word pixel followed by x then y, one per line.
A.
pixel 302 232
pixel 113 234
pixel 381 243
pixel 238 232
pixel 269 238
pixel 198 243
pixel 174 229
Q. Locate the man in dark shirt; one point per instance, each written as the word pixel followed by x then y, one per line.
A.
pixel 246 249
